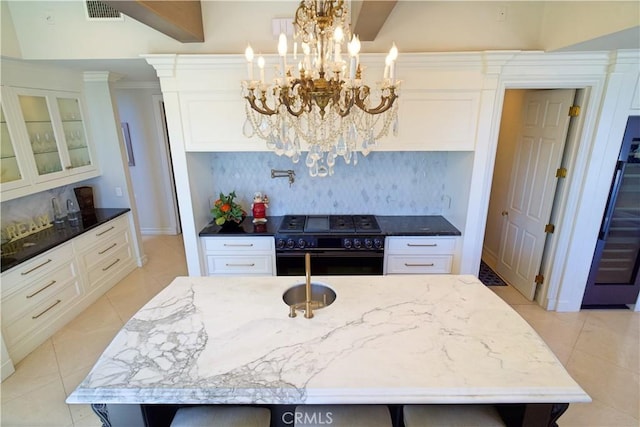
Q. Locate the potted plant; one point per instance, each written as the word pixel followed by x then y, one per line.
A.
pixel 226 211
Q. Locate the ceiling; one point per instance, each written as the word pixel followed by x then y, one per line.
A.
pixel 415 26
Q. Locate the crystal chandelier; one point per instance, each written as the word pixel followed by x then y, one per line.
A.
pixel 326 104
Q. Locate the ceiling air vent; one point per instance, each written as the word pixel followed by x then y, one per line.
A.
pixel 99 11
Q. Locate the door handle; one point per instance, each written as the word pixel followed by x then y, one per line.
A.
pixel 504 213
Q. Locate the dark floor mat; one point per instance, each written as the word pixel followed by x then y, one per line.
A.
pixel 489 277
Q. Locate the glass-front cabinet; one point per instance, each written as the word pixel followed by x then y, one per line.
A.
pixel 41 135
pixel 49 128
pixel 11 170
pixel 74 132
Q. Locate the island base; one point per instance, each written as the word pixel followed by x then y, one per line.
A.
pixel 126 415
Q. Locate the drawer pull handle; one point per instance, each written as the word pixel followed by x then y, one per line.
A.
pixel 241 265
pixel 429 245
pixel 111 265
pixel 47 309
pixel 246 245
pixel 109 248
pixel 105 231
pixel 41 289
pixel 24 273
pixel 419 265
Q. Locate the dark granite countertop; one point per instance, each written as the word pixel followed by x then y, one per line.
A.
pixel 247 227
pixel 19 251
pixel 423 225
pixel 401 225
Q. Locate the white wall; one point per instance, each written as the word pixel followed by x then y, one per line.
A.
pixel 566 23
pixel 152 189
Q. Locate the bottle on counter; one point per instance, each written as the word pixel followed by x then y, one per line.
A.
pixel 73 213
pixel 59 216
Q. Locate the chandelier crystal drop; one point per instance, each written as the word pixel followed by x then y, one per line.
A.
pixel 320 98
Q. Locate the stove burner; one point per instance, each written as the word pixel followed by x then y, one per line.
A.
pixel 366 223
pixel 292 224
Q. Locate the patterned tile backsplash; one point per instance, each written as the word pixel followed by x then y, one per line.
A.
pixel 383 183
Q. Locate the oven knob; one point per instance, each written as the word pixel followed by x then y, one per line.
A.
pixel 291 244
pixel 377 243
pixel 368 243
pixel 347 243
pixel 301 243
pixel 280 243
pixel 357 244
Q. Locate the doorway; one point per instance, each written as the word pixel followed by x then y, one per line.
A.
pixel 537 138
pixel 151 173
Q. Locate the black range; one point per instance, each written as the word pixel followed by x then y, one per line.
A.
pixel 336 232
pixel 339 245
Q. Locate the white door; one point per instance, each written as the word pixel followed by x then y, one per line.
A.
pixel 545 121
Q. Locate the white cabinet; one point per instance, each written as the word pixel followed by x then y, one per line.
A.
pixel 13 172
pixel 248 256
pixel 213 120
pixel 435 120
pixel 105 254
pixel 47 131
pixel 37 297
pixel 41 295
pixel 419 255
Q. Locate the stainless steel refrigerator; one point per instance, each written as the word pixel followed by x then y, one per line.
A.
pixel 614 278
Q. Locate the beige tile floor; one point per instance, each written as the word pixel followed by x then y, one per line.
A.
pixel 599 348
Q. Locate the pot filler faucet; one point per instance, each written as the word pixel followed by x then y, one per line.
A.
pixel 284 174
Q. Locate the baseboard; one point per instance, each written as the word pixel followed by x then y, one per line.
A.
pixel 489 257
pixel 158 231
pixel 142 260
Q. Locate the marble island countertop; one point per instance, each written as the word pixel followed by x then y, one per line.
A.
pixel 386 339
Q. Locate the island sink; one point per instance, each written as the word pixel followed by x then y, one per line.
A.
pixel 296 297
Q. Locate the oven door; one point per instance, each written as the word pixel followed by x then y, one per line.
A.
pixel 331 263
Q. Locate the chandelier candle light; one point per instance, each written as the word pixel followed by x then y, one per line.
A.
pixel 327 106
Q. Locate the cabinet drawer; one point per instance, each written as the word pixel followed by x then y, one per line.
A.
pixel 227 244
pixel 35 268
pixel 42 314
pixel 110 264
pixel 105 248
pixel 398 264
pixel 420 245
pixel 40 290
pixel 241 265
pixel 105 231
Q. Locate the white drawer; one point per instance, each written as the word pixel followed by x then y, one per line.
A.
pixel 415 264
pixel 105 248
pixel 110 264
pixel 226 244
pixel 41 289
pixel 22 275
pixel 41 315
pixel 420 245
pixel 241 265
pixel 105 231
